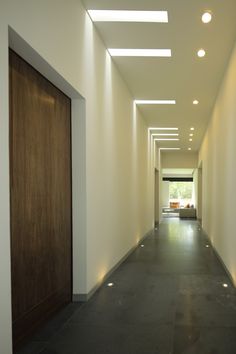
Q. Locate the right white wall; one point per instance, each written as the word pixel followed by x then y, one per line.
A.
pixel 217 155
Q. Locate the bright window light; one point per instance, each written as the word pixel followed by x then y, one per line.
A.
pixel 201 53
pixel 154 128
pixel 206 17
pixel 116 52
pixel 155 101
pixel 166 134
pixel 169 148
pixel 166 139
pixel 128 16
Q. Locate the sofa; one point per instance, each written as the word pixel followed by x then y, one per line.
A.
pixel 187 213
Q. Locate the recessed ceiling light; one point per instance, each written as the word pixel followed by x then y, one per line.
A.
pixel 201 53
pixel 206 17
pixel 166 134
pixel 155 101
pixel 189 149
pixel 190 139
pixel 190 134
pixel 192 128
pixel 128 16
pixel 166 139
pixel 195 102
pixel 142 246
pixel 169 148
pixel 154 128
pixel 118 52
pixel 207 246
pixel 110 284
pixel 225 285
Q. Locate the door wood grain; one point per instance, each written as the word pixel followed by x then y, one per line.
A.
pixel 40 186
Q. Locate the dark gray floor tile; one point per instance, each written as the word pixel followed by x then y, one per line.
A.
pixel 206 310
pixel 32 348
pixel 77 339
pixel 204 340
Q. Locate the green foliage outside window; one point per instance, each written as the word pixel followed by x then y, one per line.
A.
pixel 181 190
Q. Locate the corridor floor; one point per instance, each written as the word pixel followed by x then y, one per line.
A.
pixel 168 297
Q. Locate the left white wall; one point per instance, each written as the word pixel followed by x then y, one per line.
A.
pixel 119 152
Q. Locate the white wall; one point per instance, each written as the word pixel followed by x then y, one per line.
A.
pixel 119 153
pixel 179 159
pixel 218 160
pixel 165 193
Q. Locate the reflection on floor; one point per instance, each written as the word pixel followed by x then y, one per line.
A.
pixel 170 296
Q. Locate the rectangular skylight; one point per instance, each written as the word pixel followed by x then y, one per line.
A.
pixel 154 128
pixel 166 139
pixel 155 101
pixel 169 148
pixel 128 16
pixel 166 134
pixel 119 52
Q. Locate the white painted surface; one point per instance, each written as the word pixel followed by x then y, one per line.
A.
pixel 119 154
pixel 179 159
pixel 219 169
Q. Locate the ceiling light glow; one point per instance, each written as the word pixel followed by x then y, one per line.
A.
pixel 169 148
pixel 128 16
pixel 206 17
pixel 110 284
pixel 154 128
pixel 155 101
pixel 166 139
pixel 190 139
pixel 201 53
pixel 195 102
pixel 119 52
pixel 192 128
pixel 190 134
pixel 166 134
pixel 225 285
pixel 189 149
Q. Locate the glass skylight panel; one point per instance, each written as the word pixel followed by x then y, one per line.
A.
pixel 128 16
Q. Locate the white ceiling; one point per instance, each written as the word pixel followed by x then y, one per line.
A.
pixel 184 76
pixel 177 172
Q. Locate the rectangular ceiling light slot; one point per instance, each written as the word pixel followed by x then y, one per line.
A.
pixel 166 134
pixel 154 128
pixel 155 101
pixel 118 52
pixel 128 16
pixel 169 148
pixel 166 139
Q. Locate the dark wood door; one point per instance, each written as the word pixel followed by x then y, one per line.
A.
pixel 40 170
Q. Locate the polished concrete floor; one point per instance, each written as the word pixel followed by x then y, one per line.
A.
pixel 168 298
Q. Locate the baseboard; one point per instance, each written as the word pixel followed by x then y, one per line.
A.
pixel 86 297
pixel 220 259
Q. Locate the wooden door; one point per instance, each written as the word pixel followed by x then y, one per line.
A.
pixel 40 186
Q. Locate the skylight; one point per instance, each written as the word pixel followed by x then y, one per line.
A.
pixel 166 139
pixel 166 134
pixel 128 16
pixel 118 52
pixel 169 148
pixel 154 128
pixel 155 101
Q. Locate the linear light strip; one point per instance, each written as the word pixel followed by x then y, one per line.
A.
pixel 120 52
pixel 154 128
pixel 169 148
pixel 166 134
pixel 128 16
pixel 166 139
pixel 155 101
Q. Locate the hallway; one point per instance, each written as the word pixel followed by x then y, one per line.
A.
pixel 167 297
